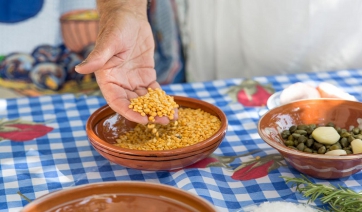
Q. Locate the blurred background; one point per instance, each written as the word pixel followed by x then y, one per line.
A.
pixel 42 40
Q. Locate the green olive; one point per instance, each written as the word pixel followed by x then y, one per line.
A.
pixel 291 138
pixel 306 149
pixel 289 143
pixel 344 142
pixel 302 127
pixel 310 142
pixel 301 132
pixel 317 145
pixel 295 135
pixel 359 136
pixel 293 147
pixel 335 146
pixel 292 129
pixel 322 150
pixel 345 134
pixel 312 126
pixel 356 130
pixel 302 139
pixel 285 134
pixel 330 124
pixel 300 147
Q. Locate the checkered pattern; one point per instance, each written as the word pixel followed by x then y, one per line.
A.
pixel 64 158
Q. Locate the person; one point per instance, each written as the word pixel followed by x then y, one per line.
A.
pixel 231 39
pixel 42 63
pixel 123 57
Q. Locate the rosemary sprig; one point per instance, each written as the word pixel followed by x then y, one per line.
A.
pixel 340 199
pixel 23 196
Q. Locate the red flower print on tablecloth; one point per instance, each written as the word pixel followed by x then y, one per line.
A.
pixel 20 130
pixel 254 168
pixel 258 167
pixel 251 93
pixel 200 164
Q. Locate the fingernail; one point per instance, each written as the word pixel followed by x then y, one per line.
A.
pixel 81 64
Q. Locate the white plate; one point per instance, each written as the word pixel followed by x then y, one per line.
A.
pixel 273 100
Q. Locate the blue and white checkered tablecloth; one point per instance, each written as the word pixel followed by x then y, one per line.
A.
pixel 64 157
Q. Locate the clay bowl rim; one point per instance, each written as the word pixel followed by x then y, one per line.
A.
pixel 163 164
pixel 182 101
pixel 64 16
pixel 212 148
pixel 288 151
pixel 132 187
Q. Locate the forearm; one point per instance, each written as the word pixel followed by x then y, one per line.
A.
pixel 136 6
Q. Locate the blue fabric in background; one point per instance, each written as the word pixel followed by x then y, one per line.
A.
pixel 169 55
pixel 12 11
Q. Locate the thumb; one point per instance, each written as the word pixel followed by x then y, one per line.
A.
pixel 99 56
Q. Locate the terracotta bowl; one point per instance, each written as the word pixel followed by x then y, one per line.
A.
pixel 120 196
pixel 78 33
pixel 104 126
pixel 157 163
pixel 210 148
pixel 342 113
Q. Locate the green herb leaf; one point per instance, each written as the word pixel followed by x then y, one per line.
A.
pixel 338 198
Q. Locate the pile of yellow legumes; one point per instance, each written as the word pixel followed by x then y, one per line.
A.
pixel 192 126
pixel 154 103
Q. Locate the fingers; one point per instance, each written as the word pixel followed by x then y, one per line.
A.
pixel 161 120
pixel 165 120
pixel 158 120
pixel 102 52
pixel 119 100
pixel 134 117
pixel 175 115
pixel 154 85
pixel 130 124
pixel 121 107
pixel 141 91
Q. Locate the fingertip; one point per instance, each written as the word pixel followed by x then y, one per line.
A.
pixel 130 124
pixel 129 115
pixel 136 118
pixel 79 67
pixel 175 115
pixel 162 120
pixel 154 85
pixel 89 66
pixel 96 59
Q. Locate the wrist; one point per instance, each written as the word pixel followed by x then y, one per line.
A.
pixel 135 6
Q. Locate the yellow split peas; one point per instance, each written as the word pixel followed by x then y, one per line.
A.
pixel 192 126
pixel 154 103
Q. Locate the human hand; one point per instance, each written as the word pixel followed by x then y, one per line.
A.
pixel 122 58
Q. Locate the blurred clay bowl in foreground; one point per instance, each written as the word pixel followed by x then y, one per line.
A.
pixel 120 196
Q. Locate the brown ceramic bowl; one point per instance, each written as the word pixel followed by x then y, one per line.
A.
pixel 120 196
pixel 154 163
pixel 342 113
pixel 104 126
pixel 78 30
pixel 210 149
